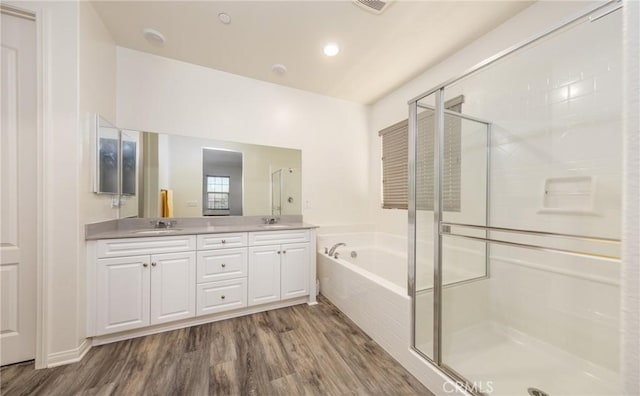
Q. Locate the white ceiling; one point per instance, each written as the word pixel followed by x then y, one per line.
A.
pixel 377 52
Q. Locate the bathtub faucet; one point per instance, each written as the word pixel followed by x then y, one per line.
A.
pixel 334 247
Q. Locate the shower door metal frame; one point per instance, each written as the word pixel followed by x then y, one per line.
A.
pixel 439 90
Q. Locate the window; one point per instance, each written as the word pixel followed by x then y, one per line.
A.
pixel 395 151
pixel 218 192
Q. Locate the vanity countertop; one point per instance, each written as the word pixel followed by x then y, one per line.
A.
pixel 195 230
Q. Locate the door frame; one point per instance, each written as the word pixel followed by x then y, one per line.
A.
pixel 43 134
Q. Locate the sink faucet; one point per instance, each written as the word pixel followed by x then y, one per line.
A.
pixel 163 223
pixel 270 220
pixel 334 247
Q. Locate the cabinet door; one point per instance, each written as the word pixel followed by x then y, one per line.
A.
pixel 123 294
pixel 173 286
pixel 264 274
pixel 295 270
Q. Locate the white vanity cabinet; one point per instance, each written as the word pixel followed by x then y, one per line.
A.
pixel 144 285
pixel 133 291
pixel 144 290
pixel 278 271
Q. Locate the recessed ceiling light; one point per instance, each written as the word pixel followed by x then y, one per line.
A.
pixel 224 18
pixel 331 49
pixel 279 69
pixel 154 37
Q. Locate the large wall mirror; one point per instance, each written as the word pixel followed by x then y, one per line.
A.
pixel 192 177
pixel 161 175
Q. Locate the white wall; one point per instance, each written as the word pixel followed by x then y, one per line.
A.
pixel 97 84
pixel 163 95
pixel 97 95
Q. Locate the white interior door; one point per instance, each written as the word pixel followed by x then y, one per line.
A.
pixel 18 191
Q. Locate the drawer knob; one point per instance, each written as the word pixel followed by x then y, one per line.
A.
pixel 223 265
pixel 224 241
pixel 222 297
pixel 145 265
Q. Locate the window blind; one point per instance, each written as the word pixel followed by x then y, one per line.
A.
pixel 395 177
pixel 395 161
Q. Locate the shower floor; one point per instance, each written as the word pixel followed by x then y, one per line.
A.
pixel 510 362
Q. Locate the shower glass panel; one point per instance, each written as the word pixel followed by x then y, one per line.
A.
pixel 527 280
pixel 543 316
pixel 464 195
pixel 424 163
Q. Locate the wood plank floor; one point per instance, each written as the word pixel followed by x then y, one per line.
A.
pixel 301 350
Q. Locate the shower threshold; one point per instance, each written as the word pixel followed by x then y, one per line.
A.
pixel 509 362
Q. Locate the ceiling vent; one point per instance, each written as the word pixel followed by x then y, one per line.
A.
pixel 374 6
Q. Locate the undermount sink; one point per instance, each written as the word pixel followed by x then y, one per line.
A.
pixel 159 231
pixel 275 226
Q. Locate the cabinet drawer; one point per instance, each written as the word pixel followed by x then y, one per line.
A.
pixel 215 265
pixel 221 241
pixel 221 296
pixel 276 237
pixel 141 246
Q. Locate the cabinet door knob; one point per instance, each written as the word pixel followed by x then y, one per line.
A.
pixel 153 264
pixel 222 297
pixel 145 265
pixel 224 241
pixel 223 265
pixel 278 252
pixel 284 251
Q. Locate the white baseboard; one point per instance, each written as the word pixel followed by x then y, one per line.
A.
pixel 69 356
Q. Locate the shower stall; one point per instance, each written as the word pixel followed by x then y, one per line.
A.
pixel 515 186
pixel 286 184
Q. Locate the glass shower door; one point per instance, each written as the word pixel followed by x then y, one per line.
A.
pixel 464 160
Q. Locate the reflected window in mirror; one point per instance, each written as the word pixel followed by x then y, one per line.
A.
pixel 218 192
pixel 222 192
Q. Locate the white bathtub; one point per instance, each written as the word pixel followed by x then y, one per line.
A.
pixel 386 267
pixel 371 289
